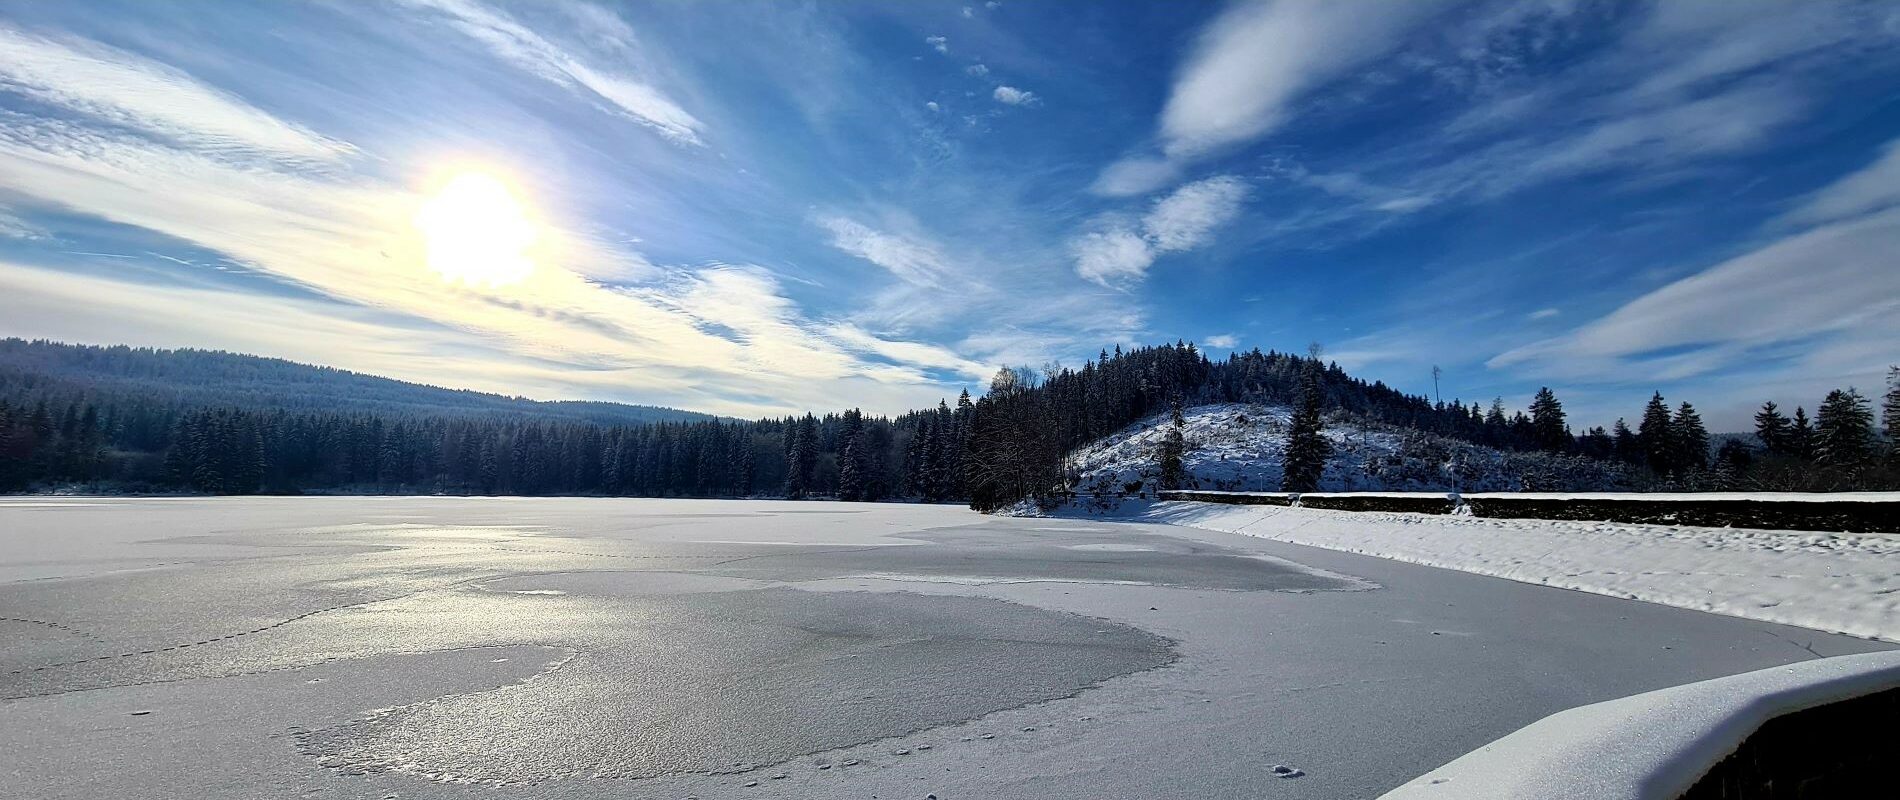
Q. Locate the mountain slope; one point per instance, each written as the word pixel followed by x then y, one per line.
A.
pixel 34 370
pixel 1240 446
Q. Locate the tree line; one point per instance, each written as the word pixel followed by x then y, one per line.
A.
pixel 1008 445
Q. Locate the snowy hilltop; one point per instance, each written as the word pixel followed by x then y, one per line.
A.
pixel 1240 446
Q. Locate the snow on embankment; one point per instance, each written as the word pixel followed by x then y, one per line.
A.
pixel 1656 745
pixel 1240 447
pixel 1842 582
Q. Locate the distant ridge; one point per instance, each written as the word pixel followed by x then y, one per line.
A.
pixel 30 370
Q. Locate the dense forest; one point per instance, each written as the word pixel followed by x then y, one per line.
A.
pixel 151 420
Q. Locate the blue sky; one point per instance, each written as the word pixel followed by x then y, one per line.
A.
pixel 761 208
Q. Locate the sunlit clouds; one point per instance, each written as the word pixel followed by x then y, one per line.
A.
pixel 807 206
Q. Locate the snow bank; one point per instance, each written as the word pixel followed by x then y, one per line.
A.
pixel 1651 746
pixel 1858 512
pixel 1849 583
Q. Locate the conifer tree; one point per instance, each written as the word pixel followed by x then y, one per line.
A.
pixel 1844 429
pixel 1732 461
pixel 1772 429
pixel 1890 416
pixel 1691 439
pixel 1173 447
pixel 1801 436
pixel 1547 422
pixel 1626 447
pixel 801 457
pixel 1306 449
pixel 852 458
pixel 1656 437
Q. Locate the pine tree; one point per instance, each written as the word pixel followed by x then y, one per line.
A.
pixel 1844 429
pixel 1547 422
pixel 1306 449
pixel 1691 439
pixel 1657 438
pixel 1772 429
pixel 1173 447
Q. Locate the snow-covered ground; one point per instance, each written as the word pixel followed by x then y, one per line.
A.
pixel 1849 583
pixel 1239 447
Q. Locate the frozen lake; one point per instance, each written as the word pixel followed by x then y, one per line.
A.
pixel 432 647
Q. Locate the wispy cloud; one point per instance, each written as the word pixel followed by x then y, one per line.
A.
pixel 1223 341
pixel 719 337
pixel 938 43
pixel 1833 280
pixel 914 261
pixel 1872 188
pixel 119 88
pixel 541 57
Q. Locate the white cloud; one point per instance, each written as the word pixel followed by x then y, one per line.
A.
pixel 120 88
pixel 978 70
pixel 932 105
pixel 917 262
pixel 1182 221
pixel 938 43
pixel 1543 313
pixel 968 12
pixel 1257 59
pixel 1836 280
pixel 1135 176
pixel 1872 188
pixel 535 54
pixel 927 355
pixel 1112 256
pixel 1223 341
pixel 1010 95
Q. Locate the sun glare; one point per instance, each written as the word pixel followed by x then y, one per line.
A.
pixel 476 231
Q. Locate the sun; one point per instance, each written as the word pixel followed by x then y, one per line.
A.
pixel 475 230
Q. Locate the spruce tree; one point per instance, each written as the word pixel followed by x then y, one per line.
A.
pixel 1772 429
pixel 1626 447
pixel 1844 429
pixel 1890 416
pixel 852 458
pixel 1801 436
pixel 1656 437
pixel 1306 449
pixel 1691 439
pixel 1173 447
pixel 1547 422
pixel 801 457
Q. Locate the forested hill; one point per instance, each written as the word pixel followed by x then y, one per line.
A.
pixel 117 418
pixel 34 371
